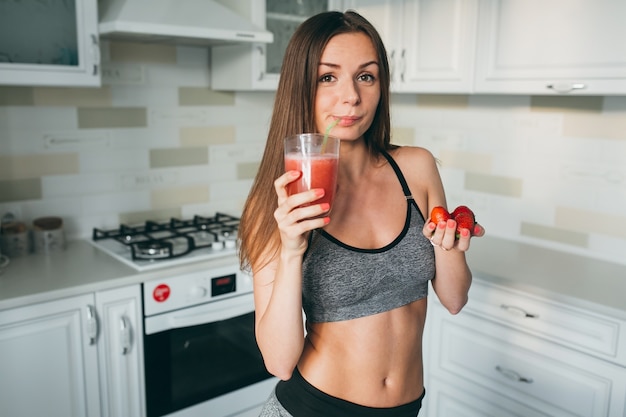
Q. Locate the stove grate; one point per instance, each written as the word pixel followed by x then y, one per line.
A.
pixel 154 240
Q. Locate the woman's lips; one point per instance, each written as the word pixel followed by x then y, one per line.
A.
pixel 348 120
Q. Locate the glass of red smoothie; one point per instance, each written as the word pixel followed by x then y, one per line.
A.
pixel 316 156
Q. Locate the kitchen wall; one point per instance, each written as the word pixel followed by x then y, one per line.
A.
pixel 156 142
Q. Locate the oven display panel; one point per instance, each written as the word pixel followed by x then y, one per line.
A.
pixel 223 285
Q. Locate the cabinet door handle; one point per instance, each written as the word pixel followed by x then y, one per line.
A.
pixel 515 376
pixel 519 311
pixel 566 88
pixel 403 65
pixel 392 65
pixel 92 324
pixel 125 335
pixel 95 45
pixel 262 62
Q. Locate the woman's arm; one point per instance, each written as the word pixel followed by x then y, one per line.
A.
pixel 278 283
pixel 278 312
pixel 453 276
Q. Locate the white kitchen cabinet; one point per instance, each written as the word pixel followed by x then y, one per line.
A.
pixel 512 354
pixel 120 350
pixel 49 359
pixel 449 398
pixel 595 334
pixel 257 66
pixel 430 43
pixel 463 46
pixel 49 43
pixel 558 46
pixel 79 356
pixel 387 18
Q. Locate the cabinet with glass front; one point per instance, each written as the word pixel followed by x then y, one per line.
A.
pixel 257 66
pixel 49 43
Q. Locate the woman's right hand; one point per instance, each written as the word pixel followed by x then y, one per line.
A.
pixel 295 220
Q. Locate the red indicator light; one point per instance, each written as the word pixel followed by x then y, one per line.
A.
pixel 161 293
pixel 223 281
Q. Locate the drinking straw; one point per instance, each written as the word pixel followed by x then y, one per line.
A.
pixel 328 129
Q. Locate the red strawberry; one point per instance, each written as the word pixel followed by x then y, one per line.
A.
pixel 464 218
pixel 439 214
pixel 461 209
pixel 464 221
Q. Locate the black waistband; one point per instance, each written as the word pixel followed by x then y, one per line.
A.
pixel 301 399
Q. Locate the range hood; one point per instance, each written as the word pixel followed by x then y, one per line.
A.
pixel 180 22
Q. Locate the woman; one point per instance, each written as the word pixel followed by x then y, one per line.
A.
pixel 360 271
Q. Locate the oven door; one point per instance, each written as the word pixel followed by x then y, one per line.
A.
pixel 201 355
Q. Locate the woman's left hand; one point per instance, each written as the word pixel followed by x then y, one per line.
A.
pixel 444 235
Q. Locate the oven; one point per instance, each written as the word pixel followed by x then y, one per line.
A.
pixel 200 352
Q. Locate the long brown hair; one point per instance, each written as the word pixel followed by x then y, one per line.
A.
pixel 293 113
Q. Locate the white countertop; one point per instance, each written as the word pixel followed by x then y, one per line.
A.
pixel 81 268
pixel 584 282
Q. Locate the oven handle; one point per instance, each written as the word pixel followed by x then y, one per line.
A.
pixel 201 314
pixel 188 320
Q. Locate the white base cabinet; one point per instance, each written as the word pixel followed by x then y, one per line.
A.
pixel 120 352
pixel 49 360
pixel 522 359
pixel 448 398
pixel 73 357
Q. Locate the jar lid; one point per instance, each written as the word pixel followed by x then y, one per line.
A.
pixel 13 228
pixel 48 223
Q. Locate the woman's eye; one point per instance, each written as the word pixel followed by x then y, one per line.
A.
pixel 369 78
pixel 326 78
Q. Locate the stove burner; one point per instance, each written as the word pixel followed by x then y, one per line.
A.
pixel 151 250
pixel 176 238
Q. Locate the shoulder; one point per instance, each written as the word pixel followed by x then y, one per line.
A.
pixel 420 168
pixel 414 160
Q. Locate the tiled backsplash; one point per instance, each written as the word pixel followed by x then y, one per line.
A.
pixel 156 142
pixel 546 170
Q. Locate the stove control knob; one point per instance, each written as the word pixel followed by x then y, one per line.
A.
pixel 197 292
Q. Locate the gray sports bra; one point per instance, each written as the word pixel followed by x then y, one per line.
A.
pixel 342 282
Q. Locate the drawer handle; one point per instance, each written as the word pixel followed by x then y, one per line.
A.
pixel 518 310
pixel 566 88
pixel 511 374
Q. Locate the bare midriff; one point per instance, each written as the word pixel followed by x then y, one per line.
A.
pixel 375 361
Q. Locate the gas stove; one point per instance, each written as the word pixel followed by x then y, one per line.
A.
pixel 155 245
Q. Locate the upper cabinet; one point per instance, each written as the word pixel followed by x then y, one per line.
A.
pixel 429 43
pixel 257 66
pixel 547 47
pixel 51 43
pixel 462 46
pixel 502 47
